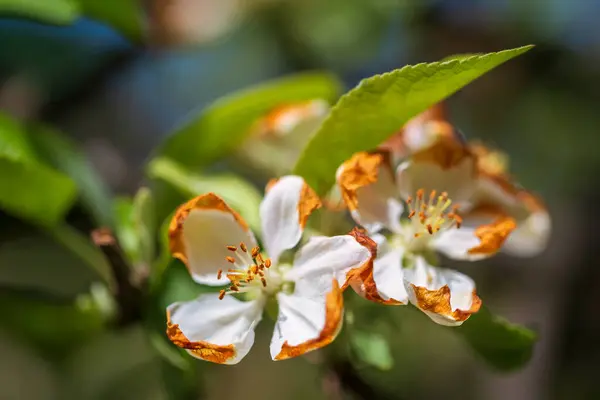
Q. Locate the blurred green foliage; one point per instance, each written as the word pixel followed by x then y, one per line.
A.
pixel 61 302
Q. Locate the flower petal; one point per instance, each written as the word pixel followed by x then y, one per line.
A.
pixel 447 166
pixel 532 218
pixel 382 282
pixel 288 203
pixel 481 235
pixel 447 297
pixel 220 331
pixel 284 119
pixel 309 319
pixel 421 132
pixel 341 257
pixel 199 233
pixel 367 186
pixel 389 277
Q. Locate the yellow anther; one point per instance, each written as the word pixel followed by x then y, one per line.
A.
pixel 432 213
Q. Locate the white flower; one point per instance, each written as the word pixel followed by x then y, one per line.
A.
pixel 433 184
pixel 216 245
pixel 495 189
pixel 286 119
pixel 421 132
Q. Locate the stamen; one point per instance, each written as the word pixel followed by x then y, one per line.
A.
pixel 431 213
pixel 247 269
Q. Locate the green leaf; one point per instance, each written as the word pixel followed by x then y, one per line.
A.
pixel 239 194
pixel 126 16
pixel 503 345
pixel 135 227
pixel 60 12
pixel 379 106
pixel 372 349
pixel 221 127
pixel 62 154
pixel 29 189
pixel 35 192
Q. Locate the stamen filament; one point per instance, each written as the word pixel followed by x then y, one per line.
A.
pixel 432 216
pixel 247 267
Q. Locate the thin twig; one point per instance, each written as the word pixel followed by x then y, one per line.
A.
pixel 127 295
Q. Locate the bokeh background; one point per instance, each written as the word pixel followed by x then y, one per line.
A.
pixel 116 77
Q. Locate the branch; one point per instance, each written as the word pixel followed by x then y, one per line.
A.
pixel 127 295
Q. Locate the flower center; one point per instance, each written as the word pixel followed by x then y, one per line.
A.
pixel 433 214
pixel 250 271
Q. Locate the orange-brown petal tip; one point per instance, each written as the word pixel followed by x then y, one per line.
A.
pixel 438 302
pixel 446 152
pixel 208 201
pixel 361 278
pixel 360 170
pixel 309 202
pixel 207 351
pixel 282 119
pixel 334 311
pixel 493 235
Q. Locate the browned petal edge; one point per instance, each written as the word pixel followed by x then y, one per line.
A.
pixel 361 278
pixel 492 236
pixel 446 152
pixel 531 202
pixel 204 350
pixel 360 170
pixel 493 166
pixel 270 184
pixel 309 201
pixel 492 162
pixel 269 125
pixel 333 200
pixel 438 302
pixel 435 114
pixel 334 311
pixel 208 201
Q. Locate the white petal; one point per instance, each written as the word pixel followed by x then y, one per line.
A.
pixel 309 319
pixel 329 256
pixel 284 211
pixel 368 188
pixel 446 296
pixel 531 236
pixel 220 331
pixel 458 180
pixel 199 235
pixel 481 235
pixel 389 276
pixel 532 218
